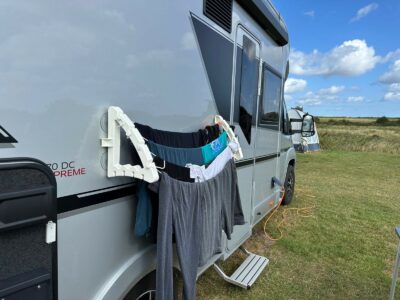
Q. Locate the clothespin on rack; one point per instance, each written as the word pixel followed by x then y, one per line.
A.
pixel 116 120
pixel 231 135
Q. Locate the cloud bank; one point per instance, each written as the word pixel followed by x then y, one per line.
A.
pixel 351 58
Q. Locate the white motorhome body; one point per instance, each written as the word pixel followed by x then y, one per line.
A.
pixel 172 65
pixel 302 142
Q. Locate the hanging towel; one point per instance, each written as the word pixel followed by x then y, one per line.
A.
pixel 202 173
pixel 143 210
pixel 212 150
pixel 179 139
pixel 196 213
pixel 184 156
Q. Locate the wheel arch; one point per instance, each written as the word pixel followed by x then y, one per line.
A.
pixel 128 275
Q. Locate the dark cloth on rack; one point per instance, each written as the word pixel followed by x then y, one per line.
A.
pixel 183 156
pixel 175 171
pixel 179 139
pixel 213 132
pixel 144 210
pixel 196 213
pixel 147 201
pixel 177 156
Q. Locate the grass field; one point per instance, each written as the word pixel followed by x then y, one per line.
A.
pixel 346 249
pixel 359 134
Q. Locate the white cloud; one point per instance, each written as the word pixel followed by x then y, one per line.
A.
pixel 393 75
pixel 355 99
pixel 351 58
pixel 188 41
pixel 364 11
pixel 392 55
pixel 310 13
pixel 322 95
pixel 333 90
pixel 294 85
pixel 393 92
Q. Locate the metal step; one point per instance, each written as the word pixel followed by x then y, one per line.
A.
pixel 248 271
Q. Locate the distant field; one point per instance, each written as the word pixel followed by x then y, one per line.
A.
pixel 359 134
pixel 356 121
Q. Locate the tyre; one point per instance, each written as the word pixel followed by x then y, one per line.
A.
pixel 289 185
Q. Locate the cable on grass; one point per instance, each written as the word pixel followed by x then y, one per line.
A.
pixel 303 212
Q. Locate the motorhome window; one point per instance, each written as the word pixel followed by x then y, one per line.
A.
pixel 248 88
pixel 270 104
pixel 308 127
pixel 285 123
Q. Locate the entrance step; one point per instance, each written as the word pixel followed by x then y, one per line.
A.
pixel 248 271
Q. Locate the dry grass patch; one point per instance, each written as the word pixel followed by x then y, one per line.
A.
pixel 382 139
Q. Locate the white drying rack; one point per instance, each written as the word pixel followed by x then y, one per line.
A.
pixel 238 154
pixel 116 120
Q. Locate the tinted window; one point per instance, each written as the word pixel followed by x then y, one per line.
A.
pixel 285 123
pixel 248 87
pixel 308 126
pixel 269 108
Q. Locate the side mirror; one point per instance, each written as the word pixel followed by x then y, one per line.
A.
pixel 307 128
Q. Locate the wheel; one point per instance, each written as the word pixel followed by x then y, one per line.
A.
pixel 145 289
pixel 289 185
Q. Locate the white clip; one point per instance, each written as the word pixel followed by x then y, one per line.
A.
pixel 117 119
pixel 231 135
pixel 51 232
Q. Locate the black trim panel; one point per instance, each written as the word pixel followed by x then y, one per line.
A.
pixel 9 139
pixel 267 157
pixel 261 158
pixel 296 120
pixel 72 202
pixel 216 51
pixel 268 21
pixel 244 162
pixel 295 131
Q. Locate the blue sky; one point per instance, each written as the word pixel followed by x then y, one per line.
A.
pixel 345 56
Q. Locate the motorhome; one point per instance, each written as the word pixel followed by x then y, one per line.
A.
pixel 66 227
pixel 304 131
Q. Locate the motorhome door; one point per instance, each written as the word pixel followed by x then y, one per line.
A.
pixel 244 116
pixel 267 147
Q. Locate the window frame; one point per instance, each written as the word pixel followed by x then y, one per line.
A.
pixel 270 125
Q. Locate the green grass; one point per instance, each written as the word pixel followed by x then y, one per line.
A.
pixel 346 250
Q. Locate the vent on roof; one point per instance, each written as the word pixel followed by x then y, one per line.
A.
pixel 220 11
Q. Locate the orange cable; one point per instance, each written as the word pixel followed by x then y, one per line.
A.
pixel 304 212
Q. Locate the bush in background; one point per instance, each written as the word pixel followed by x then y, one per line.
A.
pixel 382 120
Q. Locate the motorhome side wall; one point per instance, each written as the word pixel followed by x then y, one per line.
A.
pixel 67 62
